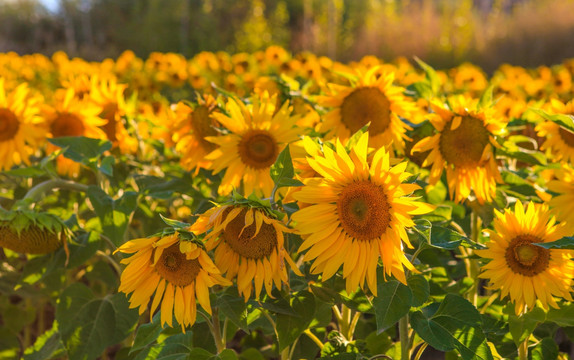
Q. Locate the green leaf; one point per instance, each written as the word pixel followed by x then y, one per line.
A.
pixel 563 317
pixel 566 243
pixel 125 318
pixel 81 149
pixel 441 237
pixel 146 335
pixel 393 301
pixel 566 121
pixel 87 325
pixel 45 346
pixel 420 289
pixel 234 308
pixel 106 166
pixel 174 223
pixel 456 324
pixel 422 89
pixel 27 172
pixel 486 98
pixel 547 349
pixel 283 168
pixel 531 157
pixel 522 326
pixel 290 327
pixel 113 214
pixel 431 75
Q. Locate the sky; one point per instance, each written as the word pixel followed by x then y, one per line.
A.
pixel 51 5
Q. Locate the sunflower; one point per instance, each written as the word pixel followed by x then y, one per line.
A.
pixel 373 100
pixel 109 95
pixel 191 128
pixel 562 204
pixel 258 133
pixel 21 130
pixel 249 246
pixel 358 213
pixel 177 270
pixel 522 270
pixel 68 116
pixel 559 141
pixel 464 145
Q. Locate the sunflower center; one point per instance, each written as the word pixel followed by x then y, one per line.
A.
pixel 567 136
pixel 175 268
pixel 246 244
pixel 463 146
pixel 67 124
pixel 9 125
pixel 526 259
pixel 258 149
pixel 201 124
pixel 364 210
pixel 364 105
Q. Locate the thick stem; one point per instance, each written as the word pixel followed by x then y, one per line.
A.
pixel 404 337
pixel 474 267
pixel 217 332
pixel 314 338
pixel 523 350
pixel 37 191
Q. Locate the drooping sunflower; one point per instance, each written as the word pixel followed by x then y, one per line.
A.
pixel 31 232
pixel 559 141
pixel 526 272
pixel 258 133
pixel 173 269
pixel 464 145
pixel 249 246
pixel 358 213
pixel 373 99
pixel 69 116
pixel 21 130
pixel 191 127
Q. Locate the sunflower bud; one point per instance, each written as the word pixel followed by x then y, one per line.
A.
pixel 31 233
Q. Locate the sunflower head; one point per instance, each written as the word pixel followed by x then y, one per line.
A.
pixel 249 242
pixel 355 212
pixel 464 145
pixel 31 232
pixel 519 268
pixel 174 268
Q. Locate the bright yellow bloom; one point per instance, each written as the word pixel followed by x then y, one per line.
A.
pixel 559 143
pixel 249 247
pixel 524 271
pixel 177 271
pixel 464 146
pixel 258 133
pixel 21 130
pixel 374 99
pixel 358 213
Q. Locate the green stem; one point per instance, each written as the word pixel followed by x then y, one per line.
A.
pixel 474 267
pixel 110 261
pixel 404 337
pixel 345 322
pixel 523 350
pixel 217 332
pixel 37 191
pixel 313 337
pixel 285 354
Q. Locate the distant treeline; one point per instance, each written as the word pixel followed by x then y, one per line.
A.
pixel 444 33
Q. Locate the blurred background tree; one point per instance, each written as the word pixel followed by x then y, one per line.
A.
pixel 444 33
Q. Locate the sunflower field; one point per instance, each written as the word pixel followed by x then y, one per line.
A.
pixel 271 205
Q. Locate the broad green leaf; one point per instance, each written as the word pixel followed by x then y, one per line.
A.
pixel 546 349
pixel 81 149
pixel 566 121
pixel 283 169
pixel 125 318
pixel 566 243
pixel 146 335
pixel 486 98
pixel 420 289
pixel 234 308
pixel 393 301
pixel 226 354
pixel 441 237
pixel 290 327
pixel 431 75
pixel 456 324
pixel 531 157
pixel 107 166
pixel 422 89
pixel 174 223
pixel 46 346
pixel 174 347
pixel 27 172
pixel 522 326
pixel 251 354
pixel 113 214
pixel 564 316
